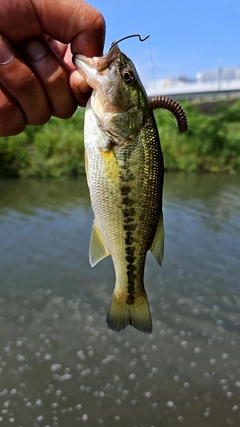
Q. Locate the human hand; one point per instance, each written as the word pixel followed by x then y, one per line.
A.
pixel 37 76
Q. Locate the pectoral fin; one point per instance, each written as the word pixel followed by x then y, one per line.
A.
pixel 157 247
pixel 97 248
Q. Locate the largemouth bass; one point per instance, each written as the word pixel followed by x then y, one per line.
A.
pixel 124 167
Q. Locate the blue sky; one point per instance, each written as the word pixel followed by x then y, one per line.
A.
pixel 186 36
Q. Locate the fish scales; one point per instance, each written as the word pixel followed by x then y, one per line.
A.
pixel 125 179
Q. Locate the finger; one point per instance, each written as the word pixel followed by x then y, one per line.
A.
pixel 20 82
pixel 62 20
pixel 58 47
pixel 90 40
pixel 12 120
pixel 53 75
pixel 78 84
pixel 79 87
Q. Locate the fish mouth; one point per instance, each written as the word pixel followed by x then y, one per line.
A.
pixel 87 67
pixel 90 67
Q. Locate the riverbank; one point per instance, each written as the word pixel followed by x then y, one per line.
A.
pixel 55 150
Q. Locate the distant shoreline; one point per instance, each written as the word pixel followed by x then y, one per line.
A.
pixel 56 150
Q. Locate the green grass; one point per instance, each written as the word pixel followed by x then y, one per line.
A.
pixel 212 144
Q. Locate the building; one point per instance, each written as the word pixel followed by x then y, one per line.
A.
pixel 218 83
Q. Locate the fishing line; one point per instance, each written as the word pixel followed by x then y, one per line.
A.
pixel 189 185
pixel 154 83
pixel 168 116
pixel 153 65
pixel 173 119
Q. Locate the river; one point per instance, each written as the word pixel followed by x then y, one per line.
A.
pixel 60 366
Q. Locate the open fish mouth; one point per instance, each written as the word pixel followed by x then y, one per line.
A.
pixel 89 67
pixel 101 73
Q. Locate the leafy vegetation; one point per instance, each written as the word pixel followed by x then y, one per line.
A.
pixel 212 143
pixel 51 151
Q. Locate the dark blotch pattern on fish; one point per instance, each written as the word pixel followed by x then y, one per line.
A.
pixel 129 226
pixel 125 190
pixel 128 212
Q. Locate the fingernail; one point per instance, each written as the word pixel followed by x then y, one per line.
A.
pixel 6 51
pixel 35 50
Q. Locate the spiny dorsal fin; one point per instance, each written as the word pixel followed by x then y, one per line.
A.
pixel 97 248
pixel 157 247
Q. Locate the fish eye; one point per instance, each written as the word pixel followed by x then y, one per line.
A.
pixel 127 76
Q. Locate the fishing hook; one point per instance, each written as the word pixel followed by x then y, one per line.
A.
pixel 173 106
pixel 128 37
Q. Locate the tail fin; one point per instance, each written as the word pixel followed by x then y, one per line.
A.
pixel 121 314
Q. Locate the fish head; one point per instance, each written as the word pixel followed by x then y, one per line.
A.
pixel 118 101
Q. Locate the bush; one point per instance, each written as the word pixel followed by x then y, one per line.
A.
pixel 212 143
pixel 51 151
pixel 14 156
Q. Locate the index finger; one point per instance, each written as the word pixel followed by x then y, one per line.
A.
pixel 72 21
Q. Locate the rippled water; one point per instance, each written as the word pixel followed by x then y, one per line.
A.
pixel 59 364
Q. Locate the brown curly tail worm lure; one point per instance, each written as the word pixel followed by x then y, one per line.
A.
pixel 173 106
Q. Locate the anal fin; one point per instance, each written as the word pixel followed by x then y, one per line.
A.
pixel 97 248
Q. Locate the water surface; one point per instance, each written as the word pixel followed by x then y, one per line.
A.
pixel 60 366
